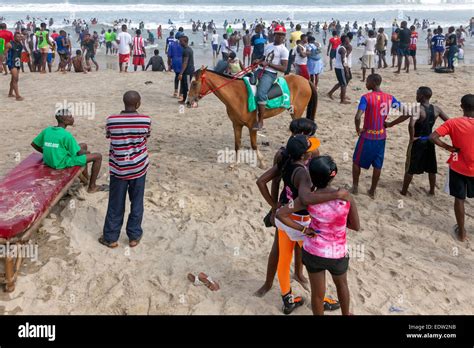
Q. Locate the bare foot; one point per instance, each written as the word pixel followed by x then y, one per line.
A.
pixel 396 72
pixel 406 193
pixel 263 290
pixel 345 102
pixel 302 280
pixel 354 190
pixel 11 96
pixel 19 98
pixel 330 96
pixel 461 235
pixel 371 194
pixel 97 188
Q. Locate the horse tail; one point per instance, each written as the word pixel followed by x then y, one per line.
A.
pixel 313 102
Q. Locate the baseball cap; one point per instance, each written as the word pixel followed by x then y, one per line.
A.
pixel 279 29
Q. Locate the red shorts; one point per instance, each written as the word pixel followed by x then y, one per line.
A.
pixel 25 57
pixel 247 51
pixel 124 58
pixel 303 71
pixel 138 60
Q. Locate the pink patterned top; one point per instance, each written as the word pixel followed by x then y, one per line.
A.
pixel 329 221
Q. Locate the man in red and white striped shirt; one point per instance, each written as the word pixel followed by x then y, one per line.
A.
pixel 128 161
pixel 139 53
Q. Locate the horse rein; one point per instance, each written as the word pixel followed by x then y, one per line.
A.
pixel 235 77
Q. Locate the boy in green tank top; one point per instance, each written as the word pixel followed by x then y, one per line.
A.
pixel 42 45
pixel 60 150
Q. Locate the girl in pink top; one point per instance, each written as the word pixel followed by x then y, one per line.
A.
pixel 324 245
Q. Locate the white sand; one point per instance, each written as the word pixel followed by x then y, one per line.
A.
pixel 201 215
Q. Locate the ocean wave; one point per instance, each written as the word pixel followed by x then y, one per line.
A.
pixel 257 9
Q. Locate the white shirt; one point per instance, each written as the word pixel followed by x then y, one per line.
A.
pixel 224 45
pixel 338 62
pixel 298 59
pixel 280 53
pixel 125 42
pixel 370 46
pixel 215 39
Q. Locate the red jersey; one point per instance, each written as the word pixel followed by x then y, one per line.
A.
pixel 376 106
pixel 413 40
pixel 7 35
pixel 335 42
pixel 138 45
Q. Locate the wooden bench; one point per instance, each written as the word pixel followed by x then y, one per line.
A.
pixel 27 194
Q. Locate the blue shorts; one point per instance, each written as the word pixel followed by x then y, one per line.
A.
pixel 214 47
pixel 369 153
pixel 439 49
pixel 49 59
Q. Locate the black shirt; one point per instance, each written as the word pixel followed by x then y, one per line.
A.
pixel 451 40
pixel 404 36
pixel 188 52
pixel 156 63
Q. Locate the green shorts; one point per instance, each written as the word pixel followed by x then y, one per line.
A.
pixel 76 161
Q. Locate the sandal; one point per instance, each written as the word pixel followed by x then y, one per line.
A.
pixel 330 304
pixel 134 243
pixel 110 245
pixel 203 279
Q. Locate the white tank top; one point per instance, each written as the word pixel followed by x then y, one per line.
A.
pixel 338 64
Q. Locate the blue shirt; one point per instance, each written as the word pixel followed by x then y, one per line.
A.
pixel 258 42
pixel 438 41
pixel 175 52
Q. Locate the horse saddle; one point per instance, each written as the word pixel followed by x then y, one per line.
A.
pixel 274 92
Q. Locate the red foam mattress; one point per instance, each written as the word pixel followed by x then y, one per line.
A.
pixel 27 192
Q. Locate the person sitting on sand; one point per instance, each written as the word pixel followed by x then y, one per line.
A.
pixel 325 245
pixel 156 62
pixel 370 148
pixel 13 53
pixel 60 150
pixel 461 161
pixel 79 64
pixel 128 132
pixel 421 153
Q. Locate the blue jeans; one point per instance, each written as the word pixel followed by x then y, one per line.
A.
pixel 451 53
pixel 264 84
pixel 116 208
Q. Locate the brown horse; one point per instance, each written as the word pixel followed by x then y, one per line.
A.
pixel 233 93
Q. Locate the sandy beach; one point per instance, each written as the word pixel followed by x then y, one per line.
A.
pixel 202 215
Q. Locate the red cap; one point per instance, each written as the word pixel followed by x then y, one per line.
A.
pixel 279 29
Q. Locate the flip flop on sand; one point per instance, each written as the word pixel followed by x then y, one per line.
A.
pixel 111 245
pixel 330 304
pixel 203 279
pixel 134 243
